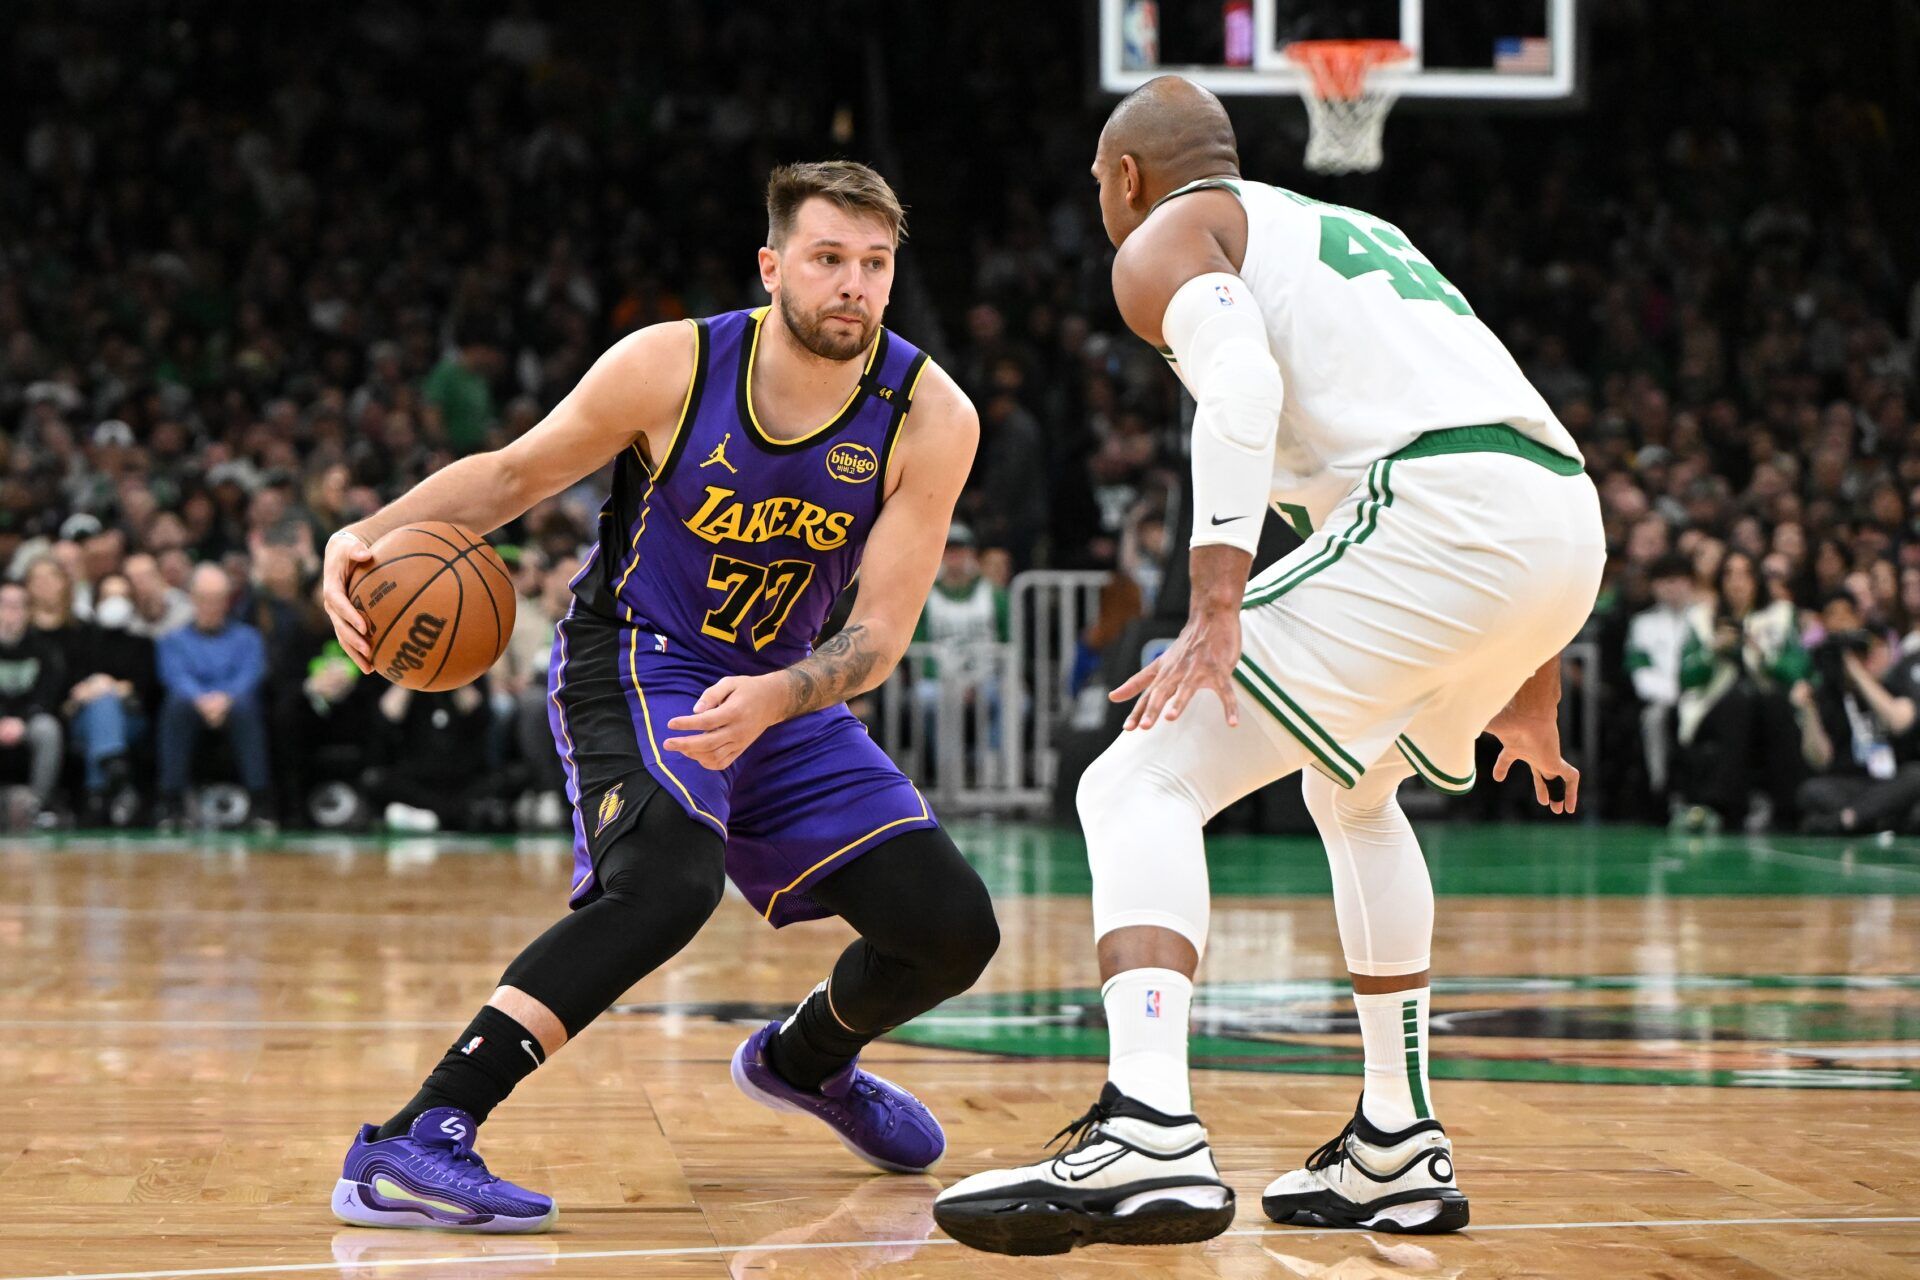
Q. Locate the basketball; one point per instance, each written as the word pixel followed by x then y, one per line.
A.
pixel 440 603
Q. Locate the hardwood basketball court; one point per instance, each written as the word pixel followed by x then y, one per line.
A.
pixel 1657 1057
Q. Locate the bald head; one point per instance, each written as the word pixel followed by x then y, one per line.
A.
pixel 1175 130
pixel 212 594
pixel 1162 136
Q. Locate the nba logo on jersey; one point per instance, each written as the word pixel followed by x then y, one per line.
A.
pixel 477 1041
pixel 1153 1004
pixel 1223 293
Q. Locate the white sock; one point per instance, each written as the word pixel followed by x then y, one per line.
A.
pixel 1147 1031
pixel 1393 1029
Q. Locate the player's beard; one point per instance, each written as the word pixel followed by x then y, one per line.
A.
pixel 812 333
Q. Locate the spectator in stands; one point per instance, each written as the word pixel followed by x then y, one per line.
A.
pixel 1656 638
pixel 965 621
pixel 425 779
pixel 460 387
pixel 1743 686
pixel 30 675
pixel 107 678
pixel 211 673
pixel 1866 702
pixel 158 605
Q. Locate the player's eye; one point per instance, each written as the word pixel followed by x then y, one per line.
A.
pixel 830 259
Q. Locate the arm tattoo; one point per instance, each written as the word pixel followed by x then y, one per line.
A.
pixel 835 671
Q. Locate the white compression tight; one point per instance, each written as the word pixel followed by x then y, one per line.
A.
pixel 1143 802
pixel 1382 897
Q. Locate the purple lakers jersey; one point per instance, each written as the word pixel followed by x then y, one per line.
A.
pixel 734 548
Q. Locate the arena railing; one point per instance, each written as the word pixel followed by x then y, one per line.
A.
pixel 976 726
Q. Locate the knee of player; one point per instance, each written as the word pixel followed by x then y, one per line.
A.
pixel 965 939
pixel 1330 804
pixel 1108 789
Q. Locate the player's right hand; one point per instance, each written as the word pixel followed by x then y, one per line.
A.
pixel 347 551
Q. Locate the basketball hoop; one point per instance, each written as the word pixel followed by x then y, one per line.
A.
pixel 1346 108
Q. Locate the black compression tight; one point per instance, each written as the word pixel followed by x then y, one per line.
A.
pixel 926 931
pixel 658 884
pixel 925 920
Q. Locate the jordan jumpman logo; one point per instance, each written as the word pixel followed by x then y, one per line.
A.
pixel 719 455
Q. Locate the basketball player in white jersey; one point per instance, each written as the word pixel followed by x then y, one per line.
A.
pixel 1453 546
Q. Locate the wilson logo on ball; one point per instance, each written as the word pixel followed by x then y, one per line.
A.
pixel 852 463
pixel 422 636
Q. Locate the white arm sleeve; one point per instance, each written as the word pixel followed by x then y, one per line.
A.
pixel 1216 332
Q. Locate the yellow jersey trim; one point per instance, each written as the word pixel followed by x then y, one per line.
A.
pixel 640 527
pixel 840 414
pixel 922 816
pixel 633 672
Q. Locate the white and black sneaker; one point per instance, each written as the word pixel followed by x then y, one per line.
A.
pixel 1131 1176
pixel 1374 1180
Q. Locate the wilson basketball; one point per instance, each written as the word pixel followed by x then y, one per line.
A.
pixel 441 604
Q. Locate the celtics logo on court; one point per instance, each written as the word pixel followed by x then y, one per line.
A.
pixel 853 463
pixel 1820 1031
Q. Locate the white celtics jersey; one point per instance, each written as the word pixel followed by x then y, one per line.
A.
pixel 1375 347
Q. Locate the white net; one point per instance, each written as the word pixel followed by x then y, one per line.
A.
pixel 1346 107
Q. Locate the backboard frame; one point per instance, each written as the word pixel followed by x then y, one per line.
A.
pixel 1273 74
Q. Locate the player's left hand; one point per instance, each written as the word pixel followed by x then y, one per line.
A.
pixel 1536 744
pixel 1201 658
pixel 726 720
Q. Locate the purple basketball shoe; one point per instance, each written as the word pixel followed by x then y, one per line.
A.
pixel 432 1178
pixel 875 1119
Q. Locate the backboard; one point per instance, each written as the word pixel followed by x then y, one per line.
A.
pixel 1517 51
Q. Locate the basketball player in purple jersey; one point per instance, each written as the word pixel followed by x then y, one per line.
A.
pixel 760 459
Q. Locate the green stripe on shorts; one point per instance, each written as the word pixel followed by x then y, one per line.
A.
pixel 1365 520
pixel 1345 769
pixel 1428 773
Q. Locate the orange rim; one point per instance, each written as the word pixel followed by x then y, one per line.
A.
pixel 1338 68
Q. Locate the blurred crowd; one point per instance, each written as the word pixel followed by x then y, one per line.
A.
pixel 258 277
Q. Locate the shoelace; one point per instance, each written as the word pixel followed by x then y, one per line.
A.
pixel 1331 1153
pixel 471 1165
pixel 1084 1131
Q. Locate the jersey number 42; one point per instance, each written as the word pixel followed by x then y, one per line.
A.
pixel 1354 252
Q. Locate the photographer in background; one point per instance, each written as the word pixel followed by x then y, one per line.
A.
pixel 1865 697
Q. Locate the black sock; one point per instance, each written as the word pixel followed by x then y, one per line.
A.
pixel 814 1043
pixel 492 1055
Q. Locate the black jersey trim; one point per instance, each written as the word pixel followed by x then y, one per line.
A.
pixel 702 344
pixel 903 401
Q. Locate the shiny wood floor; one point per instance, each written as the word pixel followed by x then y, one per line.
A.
pixel 189 1035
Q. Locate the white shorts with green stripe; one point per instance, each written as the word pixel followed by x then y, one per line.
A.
pixel 1413 615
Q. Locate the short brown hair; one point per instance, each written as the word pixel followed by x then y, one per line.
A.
pixel 852 186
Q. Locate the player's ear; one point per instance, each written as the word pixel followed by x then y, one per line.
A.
pixel 769 268
pixel 1130 178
